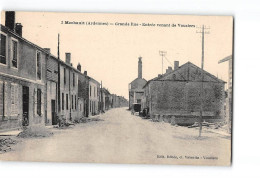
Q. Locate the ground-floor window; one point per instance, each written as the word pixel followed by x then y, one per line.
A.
pixel 1 98
pixel 67 101
pixel 75 101
pixel 39 102
pixel 72 103
pixel 62 101
pixel 90 106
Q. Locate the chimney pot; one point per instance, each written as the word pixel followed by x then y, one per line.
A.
pixel 140 75
pixel 85 73
pixel 68 57
pixel 19 29
pixel 10 19
pixel 176 65
pixel 48 50
pixel 79 67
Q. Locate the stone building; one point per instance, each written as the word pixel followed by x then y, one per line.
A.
pixel 68 89
pixel 22 78
pixel 136 91
pixel 177 94
pixel 52 76
pixel 94 99
pixel 83 93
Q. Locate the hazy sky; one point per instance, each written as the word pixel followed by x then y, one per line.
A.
pixel 110 53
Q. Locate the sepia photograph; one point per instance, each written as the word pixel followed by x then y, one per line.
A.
pixel 116 88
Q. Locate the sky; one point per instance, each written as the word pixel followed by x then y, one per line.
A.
pixel 109 53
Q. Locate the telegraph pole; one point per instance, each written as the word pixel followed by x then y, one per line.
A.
pixel 202 75
pixel 162 53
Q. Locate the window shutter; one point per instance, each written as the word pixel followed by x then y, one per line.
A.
pixel 35 101
pixel 1 98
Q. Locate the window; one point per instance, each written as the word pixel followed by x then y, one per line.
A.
pixel 90 106
pixel 75 102
pixel 90 90
pixel 64 75
pixel 39 101
pixel 14 54
pixel 62 101
pixel 3 49
pixel 94 91
pixel 67 101
pixel 38 65
pixel 72 103
pixel 73 79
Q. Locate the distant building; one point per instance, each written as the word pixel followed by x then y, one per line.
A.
pixel 136 91
pixel 68 89
pixel 22 78
pixel 52 76
pixel 177 94
pixel 94 99
pixel 83 94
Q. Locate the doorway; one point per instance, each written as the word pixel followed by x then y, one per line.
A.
pixel 53 112
pixel 25 121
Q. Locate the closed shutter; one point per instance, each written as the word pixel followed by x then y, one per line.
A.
pixel 1 98
pixel 14 99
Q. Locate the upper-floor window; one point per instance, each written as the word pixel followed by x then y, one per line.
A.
pixel 73 79
pixel 38 66
pixel 14 53
pixel 3 49
pixel 64 75
pixel 90 90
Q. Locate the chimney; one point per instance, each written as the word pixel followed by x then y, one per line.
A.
pixel 169 69
pixel 68 55
pixel 176 65
pixel 19 29
pixel 85 73
pixel 140 68
pixel 10 19
pixel 79 67
pixel 48 50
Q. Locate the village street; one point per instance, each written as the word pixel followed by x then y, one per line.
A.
pixel 123 138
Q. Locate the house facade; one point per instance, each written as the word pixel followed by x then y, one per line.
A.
pixel 179 93
pixel 83 93
pixel 52 76
pixel 68 89
pixel 22 78
pixel 94 99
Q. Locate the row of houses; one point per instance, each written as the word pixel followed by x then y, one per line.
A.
pixel 180 94
pixel 36 86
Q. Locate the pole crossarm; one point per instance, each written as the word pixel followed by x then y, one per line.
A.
pixel 225 59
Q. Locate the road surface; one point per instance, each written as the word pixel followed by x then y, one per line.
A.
pixel 123 138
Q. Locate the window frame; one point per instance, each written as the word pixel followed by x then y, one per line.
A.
pixel 37 51
pixel 17 53
pixel 6 48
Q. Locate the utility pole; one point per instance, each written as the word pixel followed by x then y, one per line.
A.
pixel 162 53
pixel 101 96
pixel 202 76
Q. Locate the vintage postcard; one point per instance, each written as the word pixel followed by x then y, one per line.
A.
pixel 116 88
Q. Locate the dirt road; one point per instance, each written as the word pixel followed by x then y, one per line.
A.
pixel 124 138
